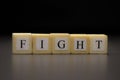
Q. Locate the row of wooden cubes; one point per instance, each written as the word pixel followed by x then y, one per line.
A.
pixel 59 43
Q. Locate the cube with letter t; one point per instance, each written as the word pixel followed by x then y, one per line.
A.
pixel 60 43
pixel 22 43
pixel 98 43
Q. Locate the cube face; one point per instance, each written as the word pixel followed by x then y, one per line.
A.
pixel 98 43
pixel 22 43
pixel 41 44
pixel 60 43
pixel 79 44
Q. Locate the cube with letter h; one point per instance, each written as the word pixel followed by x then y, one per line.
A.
pixel 22 43
pixel 79 43
pixel 60 43
pixel 41 43
pixel 98 43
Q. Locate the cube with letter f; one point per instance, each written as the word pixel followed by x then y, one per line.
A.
pixel 22 43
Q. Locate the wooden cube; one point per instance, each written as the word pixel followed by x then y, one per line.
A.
pixel 79 43
pixel 98 43
pixel 41 43
pixel 60 43
pixel 21 43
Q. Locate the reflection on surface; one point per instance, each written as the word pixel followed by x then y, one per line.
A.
pixel 58 67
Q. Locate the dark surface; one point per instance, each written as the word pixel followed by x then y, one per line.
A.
pixel 59 67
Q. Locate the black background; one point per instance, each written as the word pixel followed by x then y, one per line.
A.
pixel 67 16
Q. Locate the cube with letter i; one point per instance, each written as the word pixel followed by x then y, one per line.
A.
pixel 22 43
pixel 41 43
pixel 79 43
pixel 98 43
pixel 60 43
